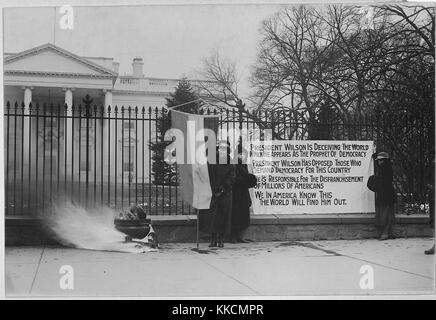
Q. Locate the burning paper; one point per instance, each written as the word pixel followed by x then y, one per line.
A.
pixel 92 229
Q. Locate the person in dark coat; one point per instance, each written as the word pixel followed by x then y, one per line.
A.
pixel 430 186
pixel 241 199
pixel 385 196
pixel 218 217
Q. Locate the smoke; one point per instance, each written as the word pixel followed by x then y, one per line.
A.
pixel 93 229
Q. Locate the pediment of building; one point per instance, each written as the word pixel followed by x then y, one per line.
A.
pixel 51 60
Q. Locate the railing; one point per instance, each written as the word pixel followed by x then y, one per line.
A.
pixel 104 157
pixel 156 84
pixel 85 153
pixel 129 81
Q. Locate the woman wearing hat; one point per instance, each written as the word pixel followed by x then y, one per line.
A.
pixel 241 201
pixel 222 177
pixel 385 196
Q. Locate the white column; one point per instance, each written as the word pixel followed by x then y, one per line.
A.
pixel 68 97
pixel 25 129
pixel 27 97
pixel 108 136
pixel 107 98
pixel 68 123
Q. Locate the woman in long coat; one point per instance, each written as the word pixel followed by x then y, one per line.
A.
pixel 216 220
pixel 385 196
pixel 241 199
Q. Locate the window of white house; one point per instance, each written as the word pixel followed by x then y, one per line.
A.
pixel 83 157
pixel 50 122
pixel 50 145
pixel 50 160
pixel 128 125
pixel 83 123
pixel 128 165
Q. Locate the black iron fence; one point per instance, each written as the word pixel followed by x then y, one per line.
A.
pixel 96 155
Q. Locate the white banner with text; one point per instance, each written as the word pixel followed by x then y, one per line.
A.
pixel 313 177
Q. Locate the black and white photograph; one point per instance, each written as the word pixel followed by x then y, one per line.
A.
pixel 218 150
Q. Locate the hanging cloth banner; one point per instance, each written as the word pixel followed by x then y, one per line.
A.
pixel 196 188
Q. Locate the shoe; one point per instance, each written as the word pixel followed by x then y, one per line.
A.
pixel 213 241
pixel 213 244
pixel 233 239
pixel 429 251
pixel 384 236
pixel 220 241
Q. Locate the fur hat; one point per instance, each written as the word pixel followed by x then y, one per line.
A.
pixel 382 155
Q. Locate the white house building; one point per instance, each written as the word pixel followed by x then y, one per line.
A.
pixel 51 75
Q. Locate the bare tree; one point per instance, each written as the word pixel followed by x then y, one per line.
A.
pixel 219 88
pixel 312 58
pixel 416 22
pixel 334 62
pixel 343 64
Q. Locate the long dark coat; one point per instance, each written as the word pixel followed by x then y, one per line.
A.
pixel 241 200
pixel 430 184
pixel 385 194
pixel 217 219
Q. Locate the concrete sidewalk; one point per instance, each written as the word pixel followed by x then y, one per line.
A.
pixel 254 269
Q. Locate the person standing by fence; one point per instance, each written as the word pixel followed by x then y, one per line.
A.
pixel 382 184
pixel 241 197
pixel 430 186
pixel 222 177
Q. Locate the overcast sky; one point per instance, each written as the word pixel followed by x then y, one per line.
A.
pixel 172 40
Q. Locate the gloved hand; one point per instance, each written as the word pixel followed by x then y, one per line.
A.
pixel 219 192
